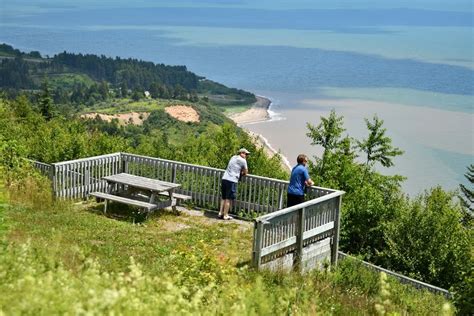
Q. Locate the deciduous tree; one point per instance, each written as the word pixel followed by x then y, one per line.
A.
pixel 378 147
pixel 326 134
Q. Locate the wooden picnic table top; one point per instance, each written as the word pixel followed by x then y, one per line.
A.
pixel 141 182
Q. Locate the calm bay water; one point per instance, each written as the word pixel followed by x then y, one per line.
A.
pixel 413 67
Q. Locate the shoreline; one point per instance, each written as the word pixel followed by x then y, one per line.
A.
pixel 256 114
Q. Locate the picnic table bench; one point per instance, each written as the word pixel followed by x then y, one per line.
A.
pixel 133 190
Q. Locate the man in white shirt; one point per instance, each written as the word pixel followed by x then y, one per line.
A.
pixel 236 168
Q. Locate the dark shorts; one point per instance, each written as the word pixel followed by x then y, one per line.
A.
pixel 228 190
pixel 294 199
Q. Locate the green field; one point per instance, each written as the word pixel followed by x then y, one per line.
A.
pixel 125 105
pixel 117 106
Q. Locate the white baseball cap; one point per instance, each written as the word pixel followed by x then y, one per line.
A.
pixel 243 150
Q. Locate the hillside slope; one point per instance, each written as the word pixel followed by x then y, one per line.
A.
pixel 61 258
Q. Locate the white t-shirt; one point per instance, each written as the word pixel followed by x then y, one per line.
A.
pixel 235 165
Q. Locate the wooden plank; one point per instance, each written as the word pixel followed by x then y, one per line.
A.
pixel 141 182
pixel 278 246
pixel 335 238
pixel 123 200
pixel 318 230
pixel 299 238
pixel 258 236
pixel 177 196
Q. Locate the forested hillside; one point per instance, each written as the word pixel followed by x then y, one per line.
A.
pixel 85 78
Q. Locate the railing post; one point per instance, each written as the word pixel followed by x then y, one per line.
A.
pixel 280 198
pixel 124 164
pixel 257 244
pixel 87 181
pixel 52 176
pixel 298 265
pixel 173 173
pixel 335 237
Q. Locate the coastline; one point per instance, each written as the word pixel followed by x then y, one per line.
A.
pixel 259 113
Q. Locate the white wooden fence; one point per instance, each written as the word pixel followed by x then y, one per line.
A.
pixel 400 277
pixel 299 231
pixel 44 168
pixel 256 195
pixel 301 237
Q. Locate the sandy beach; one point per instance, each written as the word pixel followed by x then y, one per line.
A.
pixel 259 113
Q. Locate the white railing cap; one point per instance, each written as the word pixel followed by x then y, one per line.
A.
pixel 290 209
pixel 85 159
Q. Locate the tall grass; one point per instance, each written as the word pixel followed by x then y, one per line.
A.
pixel 66 258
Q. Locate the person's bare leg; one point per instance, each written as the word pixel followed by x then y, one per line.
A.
pixel 221 209
pixel 226 208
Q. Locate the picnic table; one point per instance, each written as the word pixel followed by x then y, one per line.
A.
pixel 140 191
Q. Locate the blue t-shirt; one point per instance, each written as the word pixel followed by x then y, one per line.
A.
pixel 299 175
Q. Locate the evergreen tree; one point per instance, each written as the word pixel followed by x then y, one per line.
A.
pixel 46 101
pixel 377 146
pixel 467 197
pixel 104 90
pixel 124 89
pixel 137 95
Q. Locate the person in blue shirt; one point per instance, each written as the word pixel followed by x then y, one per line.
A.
pixel 299 180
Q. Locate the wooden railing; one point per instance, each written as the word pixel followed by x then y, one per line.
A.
pixel 256 195
pixel 44 168
pixel 299 237
pixel 75 179
pixel 400 277
pixel 306 232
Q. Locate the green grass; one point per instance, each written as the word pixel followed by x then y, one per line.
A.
pixel 3 206
pixel 70 258
pixel 229 110
pixel 112 242
pixel 125 105
pixel 68 80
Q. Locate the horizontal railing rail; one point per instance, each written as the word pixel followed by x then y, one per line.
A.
pixel 256 195
pixel 44 168
pixel 77 178
pixel 294 230
pixel 402 278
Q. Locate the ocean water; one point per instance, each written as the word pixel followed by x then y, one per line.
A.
pixel 409 62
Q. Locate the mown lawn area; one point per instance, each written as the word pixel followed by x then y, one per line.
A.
pixel 164 240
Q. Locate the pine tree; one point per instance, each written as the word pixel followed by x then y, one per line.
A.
pixel 46 101
pixel 467 197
